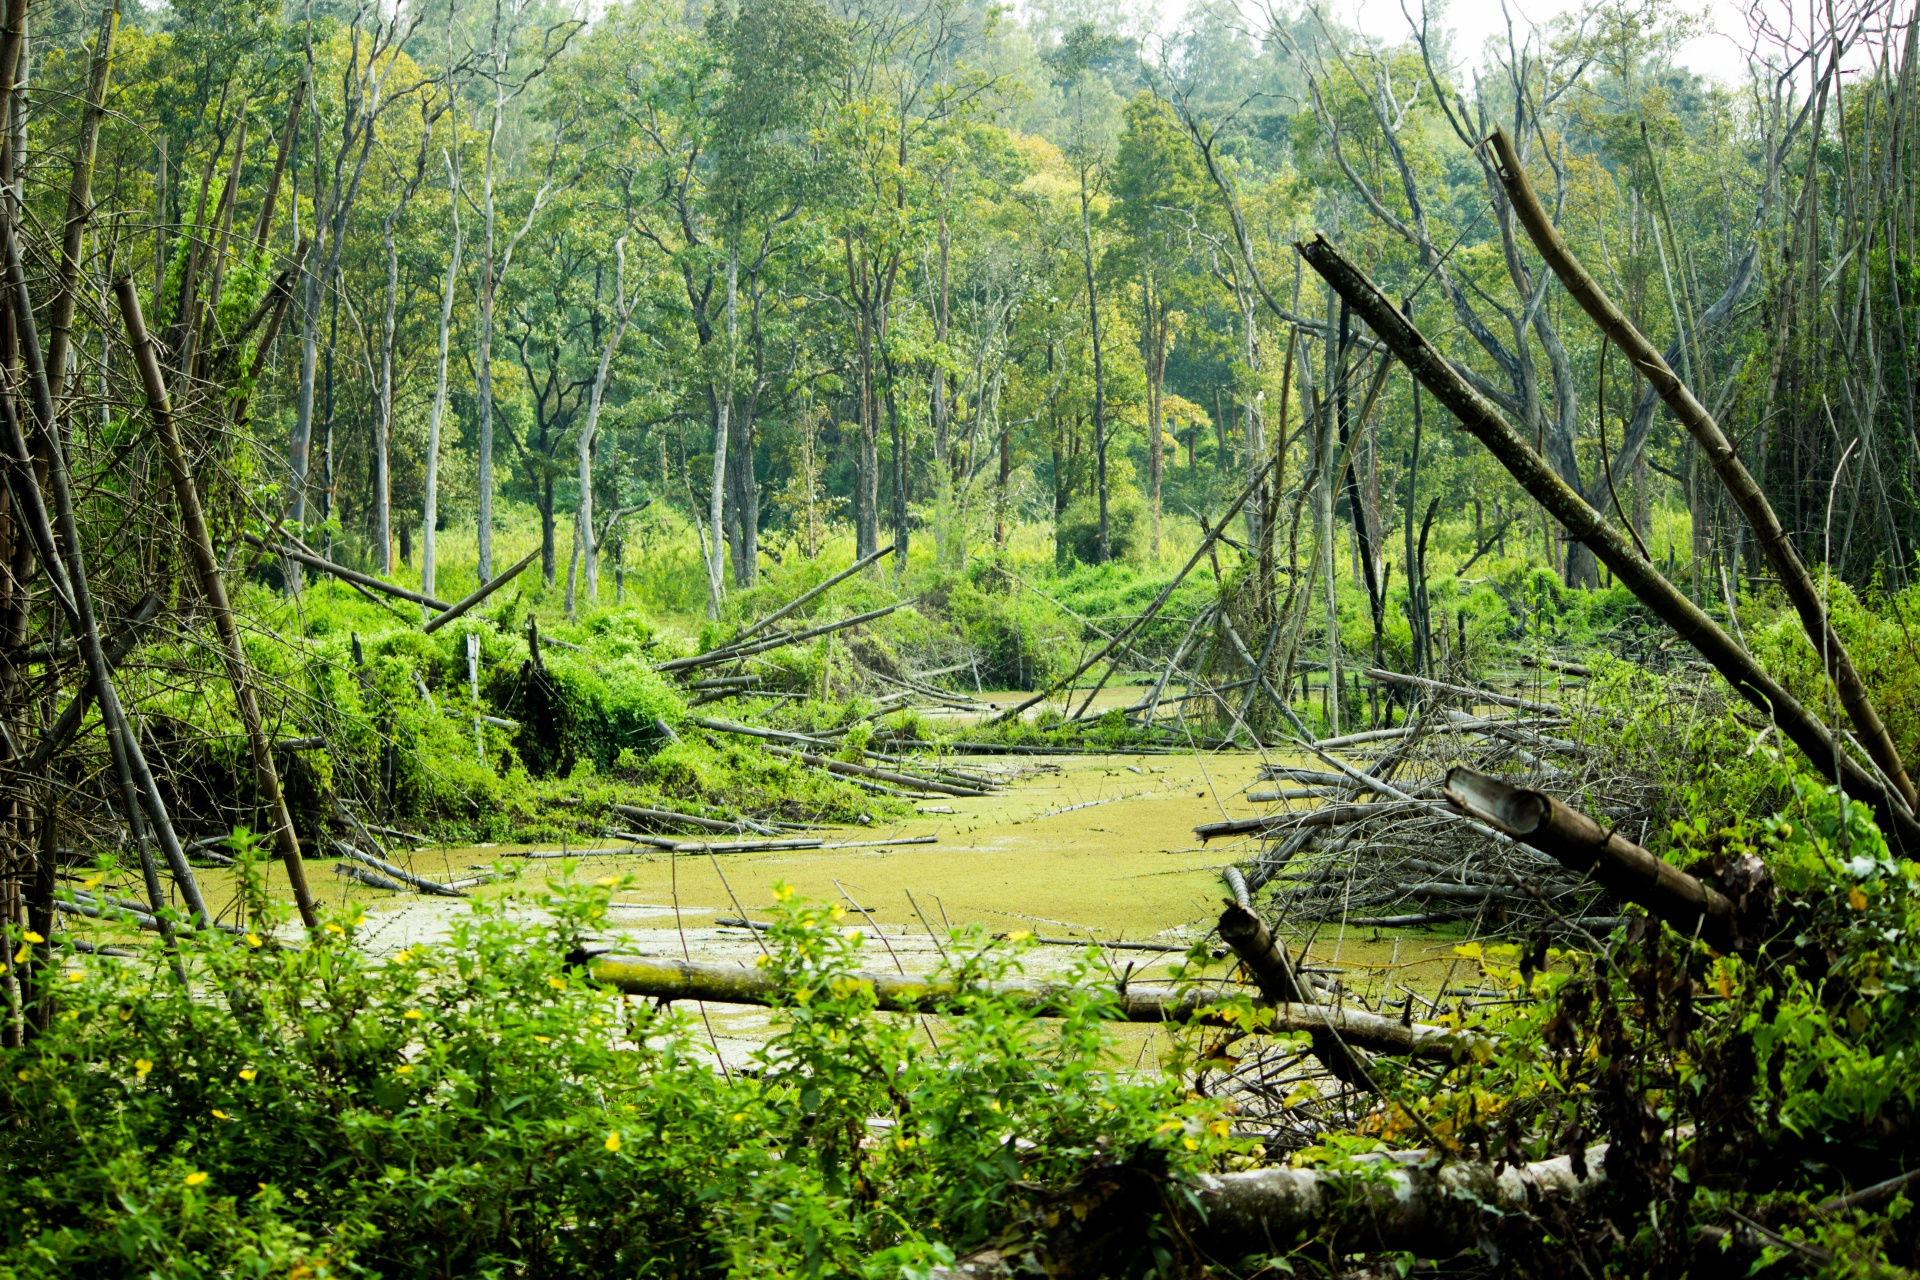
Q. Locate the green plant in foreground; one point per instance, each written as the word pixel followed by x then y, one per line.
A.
pixel 479 1107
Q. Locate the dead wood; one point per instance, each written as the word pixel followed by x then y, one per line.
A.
pixel 1720 454
pixel 1266 961
pixel 345 574
pixel 667 979
pixel 810 593
pixel 1479 416
pixel 485 590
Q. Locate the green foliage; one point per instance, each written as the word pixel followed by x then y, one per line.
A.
pixel 481 1107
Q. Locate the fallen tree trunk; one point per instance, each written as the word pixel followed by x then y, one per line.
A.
pixel 1721 456
pixel 404 876
pixel 691 820
pixel 714 657
pixel 879 775
pixel 809 594
pixel 485 590
pixel 347 575
pixel 665 979
pixel 1480 418
pixel 1463 691
pixel 1266 962
pixel 1616 863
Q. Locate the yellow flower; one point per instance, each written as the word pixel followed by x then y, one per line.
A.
pixel 24 1075
pixel 1856 899
pixel 782 891
pixel 253 940
pixel 31 936
pixel 557 983
pixel 20 956
pixel 141 1066
pixel 218 1114
pixel 248 1073
pixel 195 1179
pixel 404 1069
pixel 1190 1144
pixel 93 881
pixel 1019 935
pixel 413 1013
pixel 334 929
pixel 542 1040
pixel 78 975
pixel 606 882
pixel 403 957
pixel 613 1140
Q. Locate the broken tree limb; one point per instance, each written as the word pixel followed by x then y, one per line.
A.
pixel 1581 844
pixel 667 979
pixel 76 711
pixel 1260 677
pixel 345 574
pixel 405 877
pixel 845 769
pixel 1479 416
pixel 691 820
pixel 1332 815
pixel 213 589
pixel 715 657
pixel 1152 610
pixel 1462 691
pixel 1266 962
pixel 1721 456
pixel 809 594
pixel 485 590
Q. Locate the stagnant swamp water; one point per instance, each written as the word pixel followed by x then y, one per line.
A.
pixel 1073 849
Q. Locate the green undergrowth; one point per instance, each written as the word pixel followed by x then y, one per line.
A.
pixel 481 1108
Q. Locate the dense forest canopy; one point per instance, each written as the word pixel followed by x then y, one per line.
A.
pixel 941 270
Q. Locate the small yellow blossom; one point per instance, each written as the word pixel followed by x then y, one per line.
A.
pixel 403 957
pixel 542 1040
pixel 253 940
pixel 606 882
pixel 413 1014
pixel 195 1179
pixel 613 1140
pixel 334 929
pixel 557 983
pixel 1019 935
pixel 218 1114
pixel 31 936
pixel 248 1073
pixel 141 1066
pixel 93 881
pixel 404 1069
pixel 78 975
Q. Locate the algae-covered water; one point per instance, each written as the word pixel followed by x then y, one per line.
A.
pixel 1071 849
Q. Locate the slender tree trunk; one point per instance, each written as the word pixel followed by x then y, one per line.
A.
pixel 430 512
pixel 483 374
pixel 723 400
pixel 943 519
pixel 1154 348
pixel 1099 366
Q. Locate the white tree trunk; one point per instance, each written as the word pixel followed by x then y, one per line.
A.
pixel 716 504
pixel 431 514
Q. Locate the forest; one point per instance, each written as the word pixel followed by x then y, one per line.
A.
pixel 1278 642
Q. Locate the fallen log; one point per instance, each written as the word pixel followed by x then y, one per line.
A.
pixel 846 769
pixel 485 590
pixel 345 574
pixel 810 593
pixel 688 819
pixel 1795 581
pixel 404 876
pixel 1616 863
pixel 714 657
pixel 729 846
pixel 667 979
pixel 1266 961
pixel 1484 421
pixel 1332 815
pixel 372 879
pixel 1463 691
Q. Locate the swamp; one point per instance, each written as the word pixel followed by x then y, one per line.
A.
pixel 939 640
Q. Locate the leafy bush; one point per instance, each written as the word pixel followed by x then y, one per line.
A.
pixel 481 1107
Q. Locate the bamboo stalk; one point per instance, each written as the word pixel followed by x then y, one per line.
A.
pixel 809 594
pixel 1648 584
pixel 348 575
pixel 714 657
pixel 80 198
pixel 213 587
pixel 1721 456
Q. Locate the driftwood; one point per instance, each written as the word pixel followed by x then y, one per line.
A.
pixel 665 979
pixel 1581 844
pixel 1484 421
pixel 691 820
pixel 485 590
pixel 1721 456
pixel 810 593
